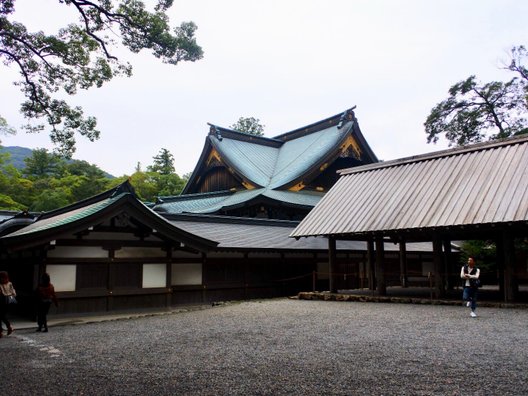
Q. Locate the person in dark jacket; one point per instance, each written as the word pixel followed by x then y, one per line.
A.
pixel 45 296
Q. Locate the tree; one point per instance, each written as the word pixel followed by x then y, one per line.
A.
pixel 249 125
pixel 5 129
pixel 163 163
pixel 475 111
pixel 42 163
pixel 519 55
pixel 81 56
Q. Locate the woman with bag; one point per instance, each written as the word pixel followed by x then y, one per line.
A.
pixel 45 296
pixel 7 297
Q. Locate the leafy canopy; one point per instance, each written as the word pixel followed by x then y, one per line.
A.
pixel 163 163
pixel 249 125
pixel 475 111
pixel 80 56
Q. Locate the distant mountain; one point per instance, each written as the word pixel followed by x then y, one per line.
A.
pixel 19 154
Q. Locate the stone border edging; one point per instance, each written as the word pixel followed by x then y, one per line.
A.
pixel 325 296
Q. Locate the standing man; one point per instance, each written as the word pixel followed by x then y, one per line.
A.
pixel 470 274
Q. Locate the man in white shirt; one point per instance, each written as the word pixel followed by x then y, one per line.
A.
pixel 470 274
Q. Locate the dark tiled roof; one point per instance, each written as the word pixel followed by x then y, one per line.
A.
pixel 233 233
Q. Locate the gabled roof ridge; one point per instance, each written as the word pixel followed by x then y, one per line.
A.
pixel 123 188
pixel 482 146
pixel 317 126
pixel 185 197
pixel 221 132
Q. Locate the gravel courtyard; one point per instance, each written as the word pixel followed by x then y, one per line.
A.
pixel 278 347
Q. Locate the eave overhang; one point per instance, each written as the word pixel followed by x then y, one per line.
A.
pixel 123 203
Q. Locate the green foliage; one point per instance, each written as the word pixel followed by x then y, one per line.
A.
pixel 484 253
pixel 17 155
pixel 163 163
pixel 249 125
pixel 51 199
pixel 49 181
pixel 80 56
pixel 475 111
pixel 42 163
pixel 5 129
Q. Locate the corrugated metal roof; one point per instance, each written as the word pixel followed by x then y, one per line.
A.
pixel 480 184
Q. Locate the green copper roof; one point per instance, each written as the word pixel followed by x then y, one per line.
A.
pixel 66 218
pixel 256 162
pixel 274 167
pixel 207 204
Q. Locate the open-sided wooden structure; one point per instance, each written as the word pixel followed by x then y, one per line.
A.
pixel 467 193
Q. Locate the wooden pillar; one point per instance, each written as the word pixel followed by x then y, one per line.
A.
pixel 204 285
pixel 110 280
pixel 371 265
pixel 509 267
pixel 381 286
pixel 449 270
pixel 168 300
pixel 499 243
pixel 331 263
pixel 437 268
pixel 403 264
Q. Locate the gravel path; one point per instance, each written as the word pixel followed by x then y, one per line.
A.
pixel 278 347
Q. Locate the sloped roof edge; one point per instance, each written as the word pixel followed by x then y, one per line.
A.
pixel 437 154
pixel 125 201
pixel 124 187
pixel 316 126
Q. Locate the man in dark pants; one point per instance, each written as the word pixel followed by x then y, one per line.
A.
pixel 470 274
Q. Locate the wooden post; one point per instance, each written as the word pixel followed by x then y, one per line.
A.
pixel 314 280
pixel 381 286
pixel 499 243
pixel 371 265
pixel 449 278
pixel 331 263
pixel 438 265
pixel 509 266
pixel 403 264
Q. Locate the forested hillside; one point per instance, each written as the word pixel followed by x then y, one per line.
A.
pixel 17 155
pixel 43 181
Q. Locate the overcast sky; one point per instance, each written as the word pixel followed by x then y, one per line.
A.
pixel 289 63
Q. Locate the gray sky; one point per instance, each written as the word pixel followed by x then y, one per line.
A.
pixel 289 63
